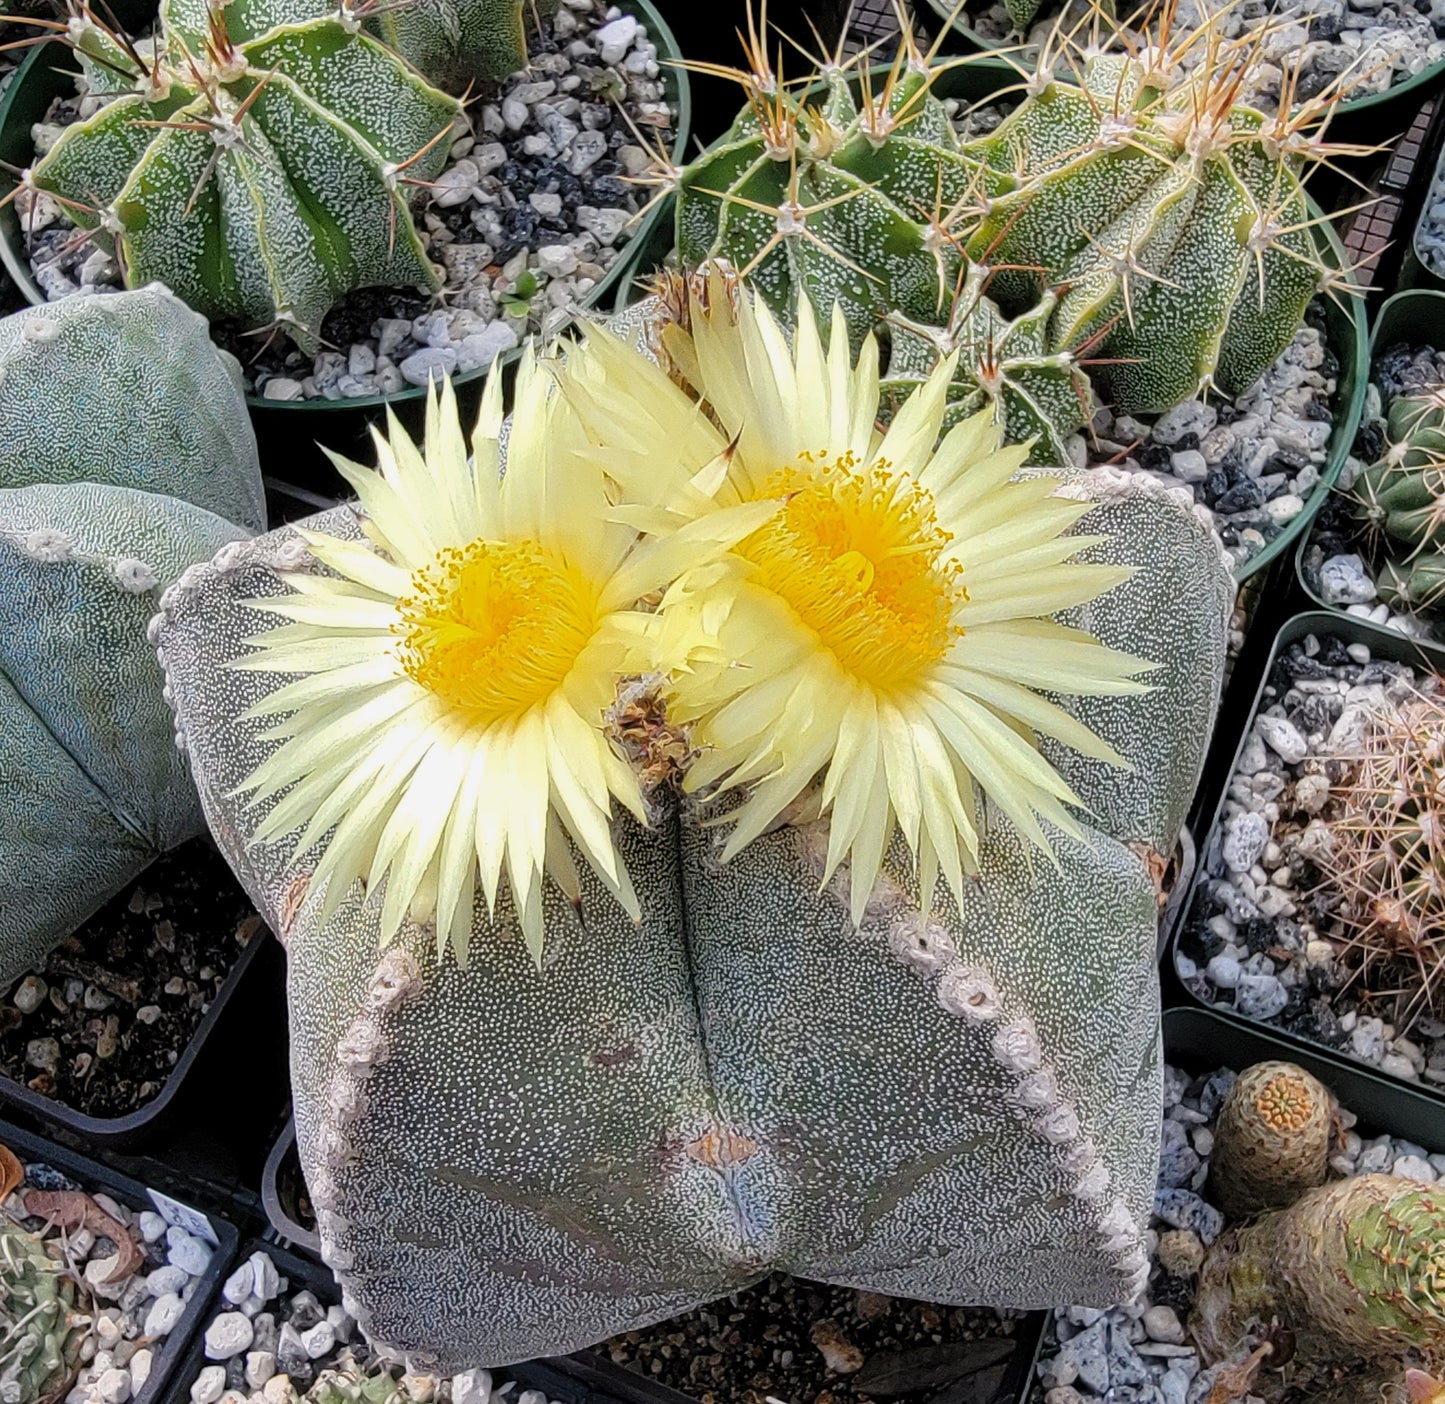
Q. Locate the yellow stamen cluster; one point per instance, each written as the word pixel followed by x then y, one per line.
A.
pixel 860 559
pixel 494 627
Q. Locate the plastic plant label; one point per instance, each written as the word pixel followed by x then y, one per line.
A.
pixel 182 1216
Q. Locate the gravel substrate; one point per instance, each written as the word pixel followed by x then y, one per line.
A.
pixel 1380 42
pixel 1429 233
pixel 535 205
pixel 1258 937
pixel 271 1339
pixel 1140 1353
pixel 1340 563
pixel 138 1271
pixel 799 1342
pixel 101 1024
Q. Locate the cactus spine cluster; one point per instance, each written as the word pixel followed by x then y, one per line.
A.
pixel 1272 1139
pixel 1354 1268
pixel 1402 497
pixel 142 461
pixel 1387 853
pixel 1171 219
pixel 41 1329
pixel 256 162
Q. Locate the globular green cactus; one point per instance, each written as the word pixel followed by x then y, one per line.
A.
pixel 143 462
pixel 1272 1139
pixel 718 1064
pixel 1354 1268
pixel 41 1326
pixel 1171 221
pixel 1402 498
pixel 461 41
pixel 257 162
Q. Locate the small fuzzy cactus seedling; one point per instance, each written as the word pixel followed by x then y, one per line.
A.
pixel 1402 499
pixel 42 1327
pixel 91 786
pixel 257 161
pixel 1354 1268
pixel 1386 858
pixel 1272 1140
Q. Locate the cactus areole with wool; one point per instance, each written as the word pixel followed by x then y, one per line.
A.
pixel 258 162
pixel 839 962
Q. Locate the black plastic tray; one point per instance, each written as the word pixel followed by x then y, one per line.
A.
pixel 1383 643
pixel 95 1176
pixel 614 1383
pixel 256 976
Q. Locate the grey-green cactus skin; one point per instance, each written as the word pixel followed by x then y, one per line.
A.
pixel 127 389
pixel 962 1108
pixel 91 787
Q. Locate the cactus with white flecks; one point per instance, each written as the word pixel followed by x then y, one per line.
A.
pixel 259 161
pixel 143 463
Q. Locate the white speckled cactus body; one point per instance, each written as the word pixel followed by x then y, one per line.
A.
pixel 461 41
pixel 513 1159
pixel 257 163
pixel 140 461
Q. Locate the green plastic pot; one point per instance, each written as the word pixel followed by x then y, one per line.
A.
pixel 1416 316
pixel 1383 643
pixel 288 432
pixel 1375 117
pixel 979 78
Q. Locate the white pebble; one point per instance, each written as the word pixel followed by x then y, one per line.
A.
pixel 165 1312
pixel 319 1339
pixel 238 1284
pixel 113 1386
pixel 229 1334
pixel 209 1386
pixel 140 1369
pixel 267 1281
pixel 187 1253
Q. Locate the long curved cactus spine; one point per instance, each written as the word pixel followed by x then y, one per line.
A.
pixel 257 163
pixel 1354 1268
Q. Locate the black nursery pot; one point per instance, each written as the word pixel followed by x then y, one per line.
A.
pixel 1201 1041
pixel 1383 643
pixel 93 1176
pixel 250 997
pixel 1416 317
pixel 292 435
pixel 599 1379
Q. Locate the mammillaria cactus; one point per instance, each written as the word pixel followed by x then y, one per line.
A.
pixel 1272 1139
pixel 43 1329
pixel 1386 858
pixel 1402 497
pixel 141 444
pixel 257 162
pixel 1173 221
pixel 813 981
pixel 1352 1268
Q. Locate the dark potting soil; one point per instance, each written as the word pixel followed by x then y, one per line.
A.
pixel 102 1023
pixel 777 1341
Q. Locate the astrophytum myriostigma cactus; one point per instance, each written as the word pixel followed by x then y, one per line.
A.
pixel 135 458
pixel 257 162
pixel 893 1022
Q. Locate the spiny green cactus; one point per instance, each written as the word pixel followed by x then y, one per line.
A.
pixel 256 163
pixel 141 442
pixel 650 1141
pixel 1386 858
pixel 41 1328
pixel 1173 220
pixel 1272 1139
pixel 349 1383
pixel 461 41
pixel 1352 1268
pixel 1402 497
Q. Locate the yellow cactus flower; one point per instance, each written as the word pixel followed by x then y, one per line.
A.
pixel 448 724
pixel 890 629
